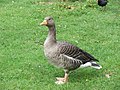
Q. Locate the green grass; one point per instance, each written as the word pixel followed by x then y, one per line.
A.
pixel 23 65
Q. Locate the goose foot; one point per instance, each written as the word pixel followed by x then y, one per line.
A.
pixel 62 80
pixel 59 82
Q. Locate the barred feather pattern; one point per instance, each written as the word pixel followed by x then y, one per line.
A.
pixel 72 57
pixel 70 63
pixel 75 52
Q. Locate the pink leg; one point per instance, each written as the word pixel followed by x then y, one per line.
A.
pixel 62 80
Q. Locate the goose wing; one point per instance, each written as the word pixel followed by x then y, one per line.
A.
pixel 74 52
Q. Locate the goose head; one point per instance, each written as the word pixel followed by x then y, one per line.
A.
pixel 48 21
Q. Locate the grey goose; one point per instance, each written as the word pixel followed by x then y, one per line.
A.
pixel 63 54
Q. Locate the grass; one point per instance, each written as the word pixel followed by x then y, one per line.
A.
pixel 23 65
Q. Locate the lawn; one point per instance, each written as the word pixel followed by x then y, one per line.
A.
pixel 23 65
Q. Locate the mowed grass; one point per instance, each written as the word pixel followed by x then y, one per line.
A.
pixel 23 65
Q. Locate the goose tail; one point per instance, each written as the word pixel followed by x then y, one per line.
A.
pixel 92 64
pixel 95 65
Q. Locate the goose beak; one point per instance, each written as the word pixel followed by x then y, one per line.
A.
pixel 44 22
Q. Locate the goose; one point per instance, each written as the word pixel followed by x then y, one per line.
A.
pixel 65 55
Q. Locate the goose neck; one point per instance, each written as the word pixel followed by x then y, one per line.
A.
pixel 52 35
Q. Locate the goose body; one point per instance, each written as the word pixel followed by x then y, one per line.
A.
pixel 63 54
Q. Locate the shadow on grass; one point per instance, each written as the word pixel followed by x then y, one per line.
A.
pixel 83 75
pixel 79 75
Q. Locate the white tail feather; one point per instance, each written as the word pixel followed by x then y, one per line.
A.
pixel 91 64
pixel 97 67
pixel 88 64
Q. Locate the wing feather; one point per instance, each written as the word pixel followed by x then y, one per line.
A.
pixel 75 52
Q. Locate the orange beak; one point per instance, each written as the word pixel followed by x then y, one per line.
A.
pixel 44 22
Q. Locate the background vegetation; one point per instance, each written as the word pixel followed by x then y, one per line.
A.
pixel 23 65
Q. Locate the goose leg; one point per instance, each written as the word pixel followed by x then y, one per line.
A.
pixel 62 80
